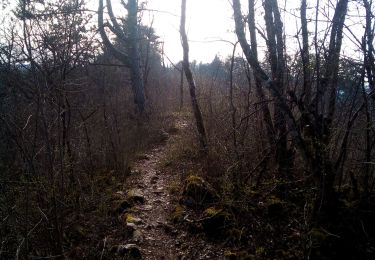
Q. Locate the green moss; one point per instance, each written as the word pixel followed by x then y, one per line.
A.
pixel 211 211
pixel 128 218
pixel 260 251
pixel 174 188
pixel 135 196
pixel 238 255
pixel 317 236
pixel 178 213
pixel 234 235
pixel 229 254
pixel 131 193
pixel 273 200
pixel 275 206
pixel 194 179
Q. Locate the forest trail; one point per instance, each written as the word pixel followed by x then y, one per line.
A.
pixel 154 233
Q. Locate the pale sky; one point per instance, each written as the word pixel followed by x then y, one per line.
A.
pixel 207 22
pixel 210 21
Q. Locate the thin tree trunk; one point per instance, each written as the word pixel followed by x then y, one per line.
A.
pixel 369 50
pixel 231 103
pixel 305 56
pixel 192 86
pixel 181 87
pixel 275 45
pixel 332 64
pixel 258 84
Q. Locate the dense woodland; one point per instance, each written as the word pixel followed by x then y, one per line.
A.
pixel 276 162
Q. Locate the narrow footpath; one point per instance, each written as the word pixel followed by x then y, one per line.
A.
pixel 154 233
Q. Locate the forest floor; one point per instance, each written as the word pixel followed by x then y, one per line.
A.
pixel 152 193
pixel 163 208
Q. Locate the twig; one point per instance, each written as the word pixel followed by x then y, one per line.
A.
pixel 101 255
pixel 23 239
pixel 328 233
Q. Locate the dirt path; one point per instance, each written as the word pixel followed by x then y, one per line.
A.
pixel 156 237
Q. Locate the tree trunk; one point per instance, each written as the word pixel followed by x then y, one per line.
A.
pixel 258 84
pixel 181 87
pixel 190 79
pixel 305 56
pixel 275 46
pixel 132 58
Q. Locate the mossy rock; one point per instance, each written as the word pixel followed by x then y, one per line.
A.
pixel 136 196
pixel 129 251
pixel 197 192
pixel 118 196
pixel 130 228
pixel 235 235
pixel 137 236
pixel 130 218
pixel 173 130
pixel 178 213
pixel 211 211
pixel 240 255
pixel 215 221
pixel 119 206
pixel 174 188
pixel 329 246
pixel 317 237
pixel 76 233
pixel 275 207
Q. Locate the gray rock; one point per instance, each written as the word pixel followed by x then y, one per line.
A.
pixel 129 251
pixel 137 236
pixel 154 180
pixel 137 220
pixel 136 196
pixel 130 228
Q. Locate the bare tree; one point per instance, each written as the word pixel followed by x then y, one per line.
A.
pixel 319 120
pixel 258 84
pixel 192 86
pixel 130 58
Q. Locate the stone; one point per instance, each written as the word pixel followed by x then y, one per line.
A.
pixel 129 218
pixel 147 207
pixel 76 233
pixel 178 213
pixel 142 157
pixel 274 207
pixel 159 191
pixel 198 192
pixel 136 196
pixel 137 236
pixel 154 180
pixel 130 228
pixel 119 206
pixel 135 172
pixel 216 220
pixel 229 255
pixel 164 136
pixel 129 251
pixel 119 195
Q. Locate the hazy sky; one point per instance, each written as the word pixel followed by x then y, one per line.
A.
pixel 207 21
